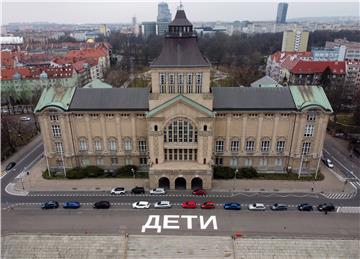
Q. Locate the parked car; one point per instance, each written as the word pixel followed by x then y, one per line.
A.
pixel 328 162
pixel 71 205
pixel 102 205
pixel 326 207
pixel 305 207
pixel 199 192
pixel 141 205
pixel 162 205
pixel 50 205
pixel 10 166
pixel 208 205
pixel 257 206
pixel 117 191
pixel 24 118
pixel 232 206
pixel 158 191
pixel 189 205
pixel 278 206
pixel 138 190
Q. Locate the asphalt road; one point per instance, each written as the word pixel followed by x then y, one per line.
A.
pixel 117 220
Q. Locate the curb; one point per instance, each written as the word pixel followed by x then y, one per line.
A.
pixel 10 189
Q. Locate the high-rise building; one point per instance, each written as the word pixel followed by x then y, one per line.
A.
pixel 281 13
pixel 163 18
pixel 148 28
pixel 295 41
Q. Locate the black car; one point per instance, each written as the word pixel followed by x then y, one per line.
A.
pixel 278 206
pixel 326 207
pixel 10 166
pixel 50 205
pixel 101 205
pixel 305 207
pixel 138 190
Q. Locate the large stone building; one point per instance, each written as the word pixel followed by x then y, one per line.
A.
pixel 180 127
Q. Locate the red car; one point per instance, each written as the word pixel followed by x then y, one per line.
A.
pixel 208 205
pixel 199 192
pixel 189 205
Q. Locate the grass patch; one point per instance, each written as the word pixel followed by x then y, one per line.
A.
pixel 52 175
pixel 289 177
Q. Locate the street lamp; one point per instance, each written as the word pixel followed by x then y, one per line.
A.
pixel 133 172
pixel 236 171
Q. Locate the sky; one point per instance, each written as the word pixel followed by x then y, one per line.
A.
pixel 121 11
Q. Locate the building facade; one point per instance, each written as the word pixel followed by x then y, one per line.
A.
pixel 295 41
pixel 163 18
pixel 180 128
pixel 148 28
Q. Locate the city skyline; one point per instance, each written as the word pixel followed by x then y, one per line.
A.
pixel 122 12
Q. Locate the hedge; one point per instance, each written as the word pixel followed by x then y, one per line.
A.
pixel 125 171
pixel 223 172
pixel 247 172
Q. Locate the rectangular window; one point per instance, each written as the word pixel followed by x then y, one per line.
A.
pixel 250 146
pixel 162 79
pixel 278 162
pixel 128 161
pixel 180 79
pixel 185 154
pixel 309 130
pixel 265 145
pixel 112 145
pixel 263 162
pixel 170 154
pixel 233 162
pixel 162 89
pixel 219 161
pixel 189 80
pixel 306 148
pixel 142 145
pixel 235 144
pixel 128 145
pixel 198 83
pixel 60 163
pixel 311 117
pixel 59 147
pixel 190 154
pixel 83 144
pixel 56 131
pixel 114 161
pixel 171 79
pixel 219 146
pixel 143 161
pixel 248 162
pixel 100 161
pixel 98 146
pixel 54 117
pixel 175 154
pixel 280 146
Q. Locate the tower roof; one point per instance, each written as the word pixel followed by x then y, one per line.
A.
pixel 180 19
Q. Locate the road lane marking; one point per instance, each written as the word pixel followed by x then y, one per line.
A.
pixel 342 165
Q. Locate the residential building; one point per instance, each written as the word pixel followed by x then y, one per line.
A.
pixel 148 28
pixel 295 41
pixel 180 128
pixel 352 51
pixel 329 54
pixel 281 13
pixel 163 18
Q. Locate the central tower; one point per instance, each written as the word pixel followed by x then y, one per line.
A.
pixel 180 117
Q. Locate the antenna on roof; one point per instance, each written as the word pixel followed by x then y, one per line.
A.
pixel 180 6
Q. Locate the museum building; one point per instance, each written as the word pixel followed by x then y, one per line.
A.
pixel 179 128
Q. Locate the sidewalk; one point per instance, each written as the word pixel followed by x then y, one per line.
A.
pixel 22 151
pixel 35 182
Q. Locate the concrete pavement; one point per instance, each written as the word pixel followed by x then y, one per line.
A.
pixel 157 247
pixel 35 182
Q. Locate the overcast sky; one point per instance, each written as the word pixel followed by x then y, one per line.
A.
pixel 146 10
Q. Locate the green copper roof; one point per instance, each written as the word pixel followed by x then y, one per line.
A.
pixel 97 83
pixel 184 99
pixel 59 97
pixel 307 96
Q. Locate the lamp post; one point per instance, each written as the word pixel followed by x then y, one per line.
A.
pixel 133 172
pixel 236 171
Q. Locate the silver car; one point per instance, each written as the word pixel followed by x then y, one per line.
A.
pixel 257 206
pixel 162 205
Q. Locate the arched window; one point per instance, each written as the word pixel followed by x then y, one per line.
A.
pixel 205 127
pixel 250 144
pixel 98 144
pixel 265 144
pixel 127 144
pixel 235 145
pixel 219 145
pixel 180 130
pixel 82 144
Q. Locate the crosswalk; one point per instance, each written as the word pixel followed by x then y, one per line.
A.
pixel 348 210
pixel 339 196
pixel 124 195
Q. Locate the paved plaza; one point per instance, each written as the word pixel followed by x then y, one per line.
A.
pixel 163 247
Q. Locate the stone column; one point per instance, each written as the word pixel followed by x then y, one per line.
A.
pixel 119 134
pixel 273 139
pixel 258 133
pixel 103 131
pixel 88 129
pixel 227 137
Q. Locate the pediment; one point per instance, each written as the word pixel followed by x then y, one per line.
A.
pixel 183 100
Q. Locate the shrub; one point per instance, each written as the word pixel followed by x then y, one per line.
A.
pixel 223 172
pixel 125 171
pixel 247 172
pixel 76 173
pixel 93 171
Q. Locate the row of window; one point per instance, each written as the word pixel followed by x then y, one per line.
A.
pixel 180 131
pixel 168 81
pixel 112 144
pixel 249 145
pixel 263 162
pixel 180 154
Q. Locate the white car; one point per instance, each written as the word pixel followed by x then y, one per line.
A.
pixel 25 118
pixel 141 205
pixel 162 205
pixel 117 191
pixel 328 163
pixel 158 191
pixel 257 206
